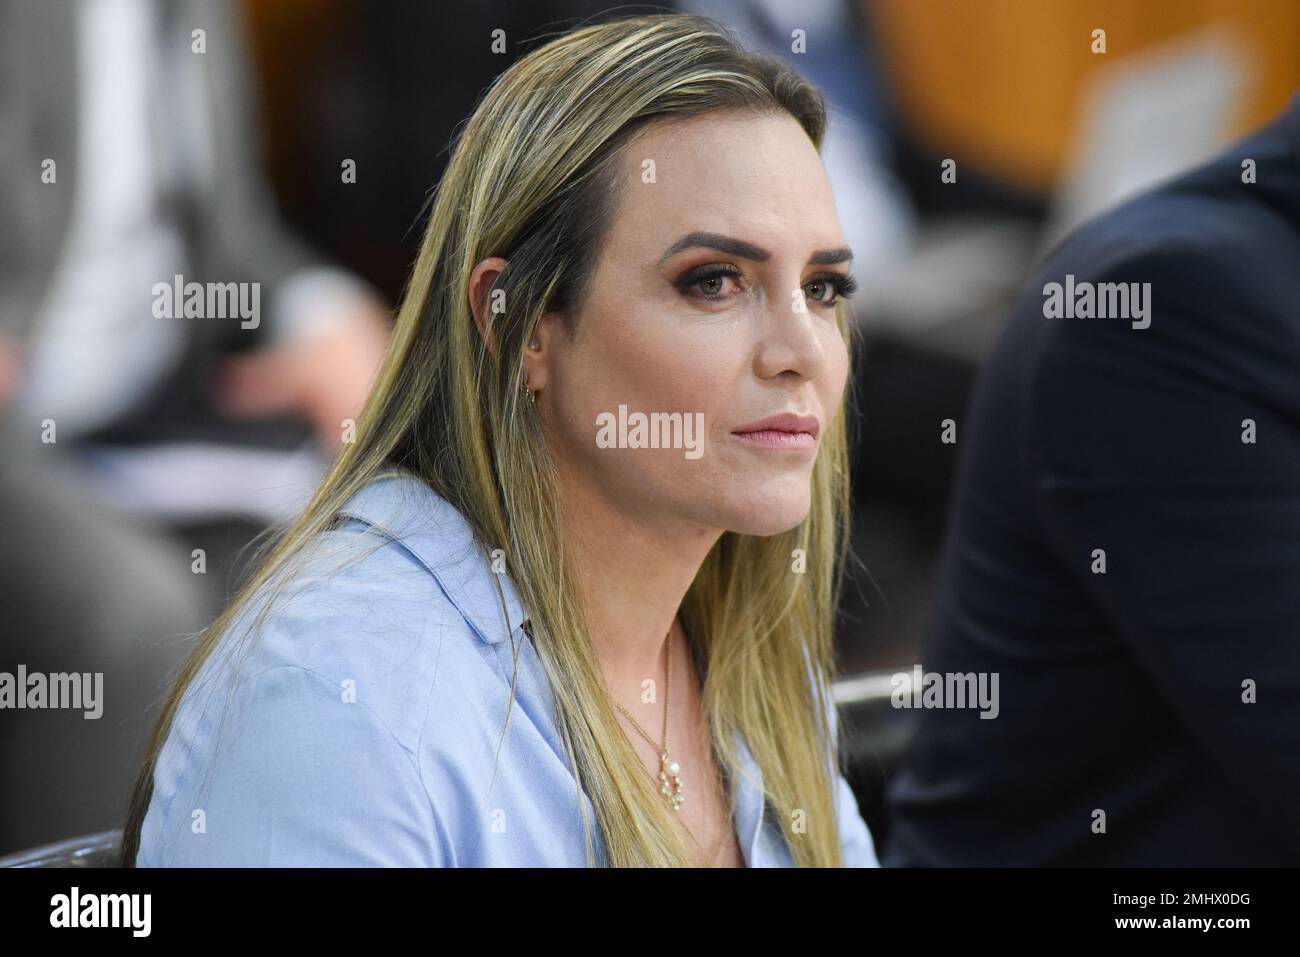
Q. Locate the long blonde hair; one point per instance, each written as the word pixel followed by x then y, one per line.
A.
pixel 534 178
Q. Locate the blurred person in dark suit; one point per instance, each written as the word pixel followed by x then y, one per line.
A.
pixel 128 157
pixel 1124 548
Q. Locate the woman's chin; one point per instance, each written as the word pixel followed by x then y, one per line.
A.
pixel 770 517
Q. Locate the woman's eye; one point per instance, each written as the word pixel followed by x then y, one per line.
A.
pixel 710 284
pixel 841 287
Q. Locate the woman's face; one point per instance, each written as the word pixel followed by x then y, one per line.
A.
pixel 711 304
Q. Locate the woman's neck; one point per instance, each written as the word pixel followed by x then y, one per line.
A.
pixel 634 573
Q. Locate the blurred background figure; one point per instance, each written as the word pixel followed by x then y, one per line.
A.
pixel 129 159
pixel 966 139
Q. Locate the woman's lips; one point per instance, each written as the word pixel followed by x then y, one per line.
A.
pixel 775 439
pixel 785 431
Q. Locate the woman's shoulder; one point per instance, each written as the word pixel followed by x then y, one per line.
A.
pixel 358 616
pixel 394 600
pixel 324 690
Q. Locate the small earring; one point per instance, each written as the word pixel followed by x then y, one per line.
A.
pixel 533 343
pixel 531 401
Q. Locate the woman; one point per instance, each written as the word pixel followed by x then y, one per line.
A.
pixel 568 597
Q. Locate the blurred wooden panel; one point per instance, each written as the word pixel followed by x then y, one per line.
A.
pixel 285 40
pixel 998 81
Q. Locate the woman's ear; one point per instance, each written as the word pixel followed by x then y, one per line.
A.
pixel 483 301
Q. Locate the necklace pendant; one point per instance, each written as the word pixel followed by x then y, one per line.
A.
pixel 670 782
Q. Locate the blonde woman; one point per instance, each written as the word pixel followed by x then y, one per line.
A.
pixel 567 599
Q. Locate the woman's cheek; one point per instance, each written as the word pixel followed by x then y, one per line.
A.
pixel 836 373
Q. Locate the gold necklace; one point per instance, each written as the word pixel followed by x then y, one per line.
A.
pixel 670 782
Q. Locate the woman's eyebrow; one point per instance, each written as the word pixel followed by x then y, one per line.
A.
pixel 746 250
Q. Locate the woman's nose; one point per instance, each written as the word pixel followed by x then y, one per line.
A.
pixel 790 340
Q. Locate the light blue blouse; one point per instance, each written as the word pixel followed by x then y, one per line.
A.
pixel 363 724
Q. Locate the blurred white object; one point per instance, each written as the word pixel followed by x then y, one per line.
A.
pixel 949 294
pixel 878 223
pixel 1145 118
pixel 1149 117
pixel 198 480
pixel 91 354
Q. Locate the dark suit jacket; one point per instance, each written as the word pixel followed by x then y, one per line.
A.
pixel 1122 691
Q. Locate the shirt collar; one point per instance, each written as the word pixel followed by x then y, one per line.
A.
pixel 751 802
pixel 404 508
